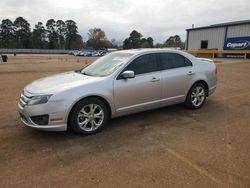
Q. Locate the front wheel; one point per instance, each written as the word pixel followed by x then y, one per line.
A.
pixel 196 96
pixel 88 116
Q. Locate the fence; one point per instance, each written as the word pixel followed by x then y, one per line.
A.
pixel 214 52
pixel 33 51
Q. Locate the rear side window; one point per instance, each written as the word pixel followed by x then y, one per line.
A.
pixel 172 60
pixel 144 64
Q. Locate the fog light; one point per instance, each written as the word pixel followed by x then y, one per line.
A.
pixel 40 120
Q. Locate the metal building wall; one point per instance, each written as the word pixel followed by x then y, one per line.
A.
pixel 238 31
pixel 215 37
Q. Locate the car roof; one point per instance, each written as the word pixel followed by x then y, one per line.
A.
pixel 144 50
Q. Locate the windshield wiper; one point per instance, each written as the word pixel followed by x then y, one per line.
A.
pixel 84 73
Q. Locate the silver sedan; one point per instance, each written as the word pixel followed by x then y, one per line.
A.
pixel 117 84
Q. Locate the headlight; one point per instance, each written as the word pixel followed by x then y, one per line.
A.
pixel 40 99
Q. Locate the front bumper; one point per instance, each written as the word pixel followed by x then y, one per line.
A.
pixel 56 122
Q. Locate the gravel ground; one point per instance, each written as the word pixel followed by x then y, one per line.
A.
pixel 167 147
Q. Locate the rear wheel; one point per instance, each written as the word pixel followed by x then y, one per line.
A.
pixel 196 96
pixel 88 116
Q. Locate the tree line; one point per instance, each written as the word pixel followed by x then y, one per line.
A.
pixel 53 35
pixel 136 40
pixel 59 34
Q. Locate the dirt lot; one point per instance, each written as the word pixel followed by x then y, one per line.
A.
pixel 168 147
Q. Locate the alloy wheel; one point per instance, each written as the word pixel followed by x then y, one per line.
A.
pixel 90 117
pixel 198 96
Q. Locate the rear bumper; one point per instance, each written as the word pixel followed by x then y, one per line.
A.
pixel 56 120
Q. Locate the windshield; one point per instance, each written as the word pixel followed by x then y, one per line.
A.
pixel 106 65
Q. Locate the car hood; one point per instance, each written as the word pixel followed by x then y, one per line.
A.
pixel 59 82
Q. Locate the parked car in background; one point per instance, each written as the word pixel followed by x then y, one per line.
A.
pixel 82 53
pixel 71 53
pixel 120 83
pixel 91 53
pixel 102 53
pixel 76 52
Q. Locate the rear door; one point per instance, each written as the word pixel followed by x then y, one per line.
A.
pixel 177 73
pixel 143 91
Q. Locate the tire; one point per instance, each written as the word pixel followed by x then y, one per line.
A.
pixel 196 96
pixel 88 116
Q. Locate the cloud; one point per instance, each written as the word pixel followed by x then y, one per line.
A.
pixel 159 18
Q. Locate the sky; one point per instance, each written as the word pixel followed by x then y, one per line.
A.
pixel 159 19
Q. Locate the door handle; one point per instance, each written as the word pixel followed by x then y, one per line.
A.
pixel 190 73
pixel 155 79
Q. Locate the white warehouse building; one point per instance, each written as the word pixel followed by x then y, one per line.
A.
pixel 224 36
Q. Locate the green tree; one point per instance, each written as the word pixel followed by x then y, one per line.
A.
pixel 73 39
pixel 52 34
pixel 159 45
pixel 61 31
pixel 174 41
pixel 77 43
pixel 150 41
pixel 144 43
pixel 7 34
pixel 135 39
pixel 39 36
pixel 126 44
pixel 97 39
pixel 22 33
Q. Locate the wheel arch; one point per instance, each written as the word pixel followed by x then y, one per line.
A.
pixel 105 101
pixel 204 83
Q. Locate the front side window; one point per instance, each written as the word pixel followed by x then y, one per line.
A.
pixel 173 60
pixel 144 64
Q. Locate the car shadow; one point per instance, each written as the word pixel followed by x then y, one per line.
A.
pixel 140 119
pixel 135 132
pixel 133 123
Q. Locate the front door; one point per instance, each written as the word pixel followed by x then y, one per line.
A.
pixel 142 92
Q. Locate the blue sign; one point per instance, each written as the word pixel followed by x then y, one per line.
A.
pixel 237 43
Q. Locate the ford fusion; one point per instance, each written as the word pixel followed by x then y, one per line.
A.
pixel 117 84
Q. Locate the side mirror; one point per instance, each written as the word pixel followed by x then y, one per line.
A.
pixel 128 74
